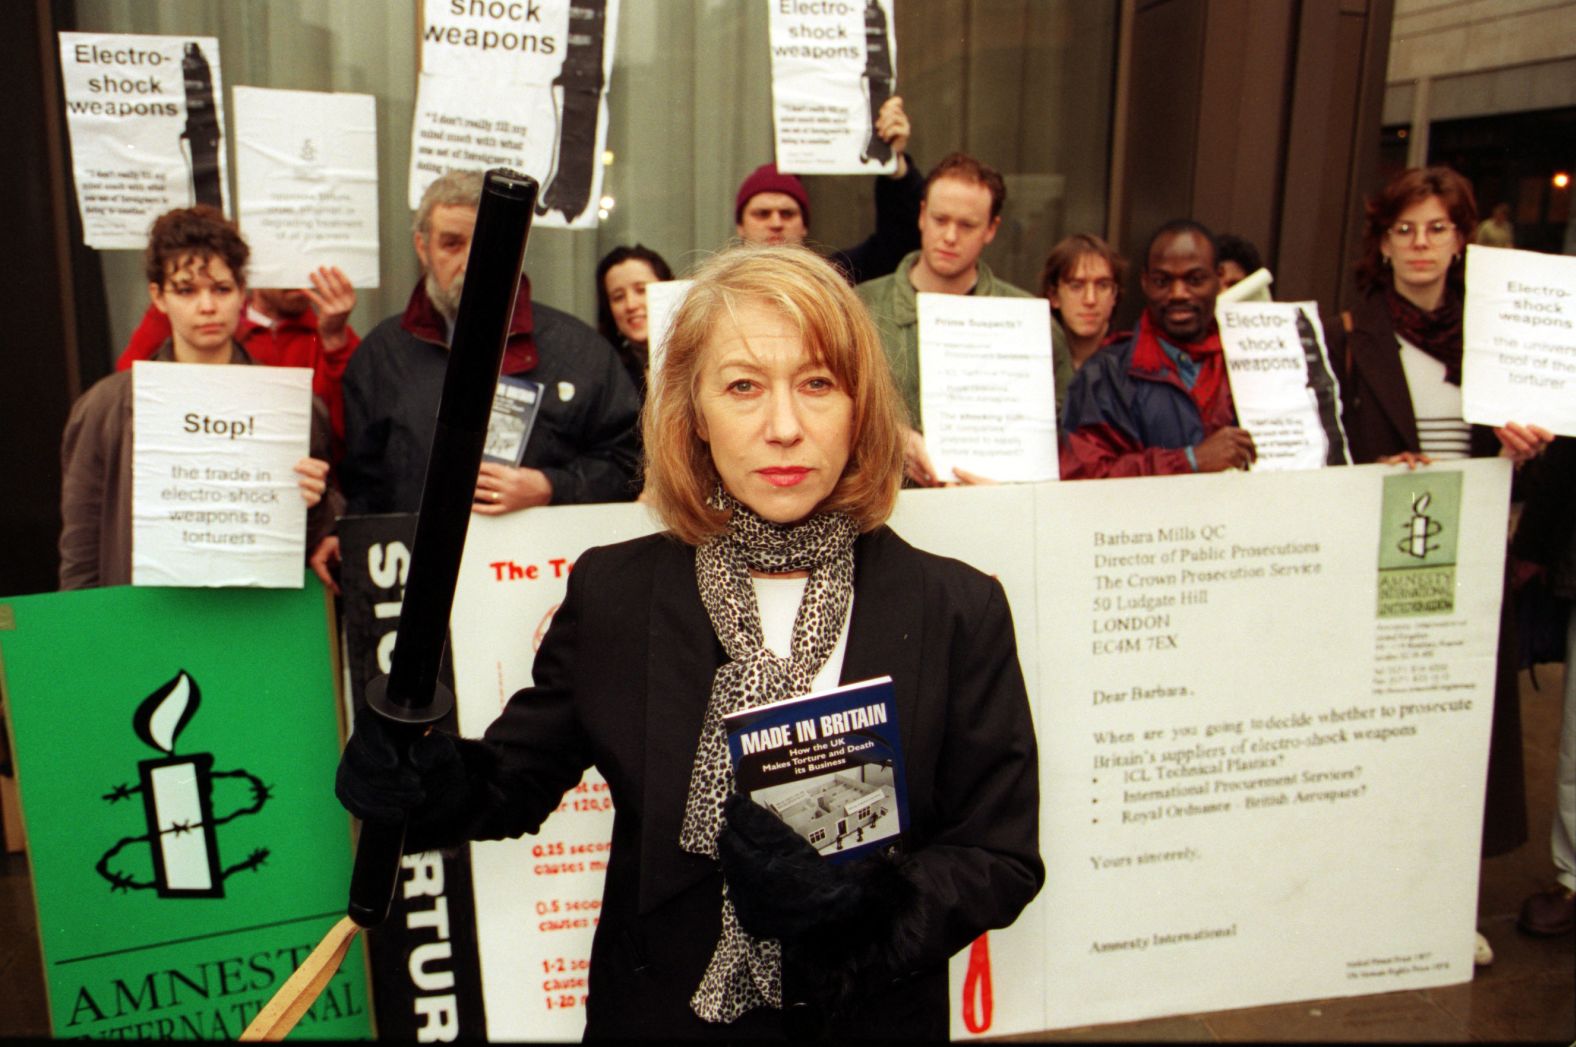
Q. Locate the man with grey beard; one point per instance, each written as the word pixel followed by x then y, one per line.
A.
pixel 582 447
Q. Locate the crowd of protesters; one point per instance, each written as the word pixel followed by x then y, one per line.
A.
pixel 1148 401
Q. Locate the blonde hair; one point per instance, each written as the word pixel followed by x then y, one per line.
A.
pixel 838 334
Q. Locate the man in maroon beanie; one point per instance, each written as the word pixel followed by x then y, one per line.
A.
pixel 774 208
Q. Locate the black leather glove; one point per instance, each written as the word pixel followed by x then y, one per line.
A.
pixel 431 783
pixel 781 888
pixel 840 924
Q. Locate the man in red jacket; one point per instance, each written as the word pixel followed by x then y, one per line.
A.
pixel 1159 402
pixel 284 327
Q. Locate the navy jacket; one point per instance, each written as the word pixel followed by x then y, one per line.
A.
pixel 584 438
pixel 1124 420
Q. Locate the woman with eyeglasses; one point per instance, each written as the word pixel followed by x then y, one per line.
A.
pixel 1399 351
pixel 1398 355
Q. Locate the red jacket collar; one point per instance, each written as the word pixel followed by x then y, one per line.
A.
pixel 422 319
pixel 306 321
pixel 1151 361
pixel 1149 356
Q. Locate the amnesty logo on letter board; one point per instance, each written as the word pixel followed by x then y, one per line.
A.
pixel 1418 524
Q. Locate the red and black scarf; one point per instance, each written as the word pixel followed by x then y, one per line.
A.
pixel 1148 355
pixel 1437 333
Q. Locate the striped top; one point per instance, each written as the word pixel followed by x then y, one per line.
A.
pixel 1441 431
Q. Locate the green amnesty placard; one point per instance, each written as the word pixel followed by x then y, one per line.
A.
pixel 1418 525
pixel 175 752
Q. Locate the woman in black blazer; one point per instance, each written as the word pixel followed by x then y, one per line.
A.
pixel 774 454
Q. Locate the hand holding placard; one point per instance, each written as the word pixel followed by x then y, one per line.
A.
pixel 1281 385
pixel 1227 448
pixel 216 495
pixel 987 387
pixel 1518 360
pixel 332 297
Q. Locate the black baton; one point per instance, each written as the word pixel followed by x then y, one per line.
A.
pixel 411 697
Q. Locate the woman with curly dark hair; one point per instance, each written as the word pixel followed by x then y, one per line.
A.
pixel 195 263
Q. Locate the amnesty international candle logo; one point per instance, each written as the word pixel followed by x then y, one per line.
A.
pixel 1419 522
pixel 129 706
pixel 178 803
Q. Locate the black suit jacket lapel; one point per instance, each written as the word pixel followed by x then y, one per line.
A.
pixel 1377 353
pixel 887 622
pixel 682 658
pixel 883 640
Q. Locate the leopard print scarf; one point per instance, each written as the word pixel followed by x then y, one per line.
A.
pixel 745 972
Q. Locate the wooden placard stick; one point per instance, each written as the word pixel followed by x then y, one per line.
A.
pixel 301 990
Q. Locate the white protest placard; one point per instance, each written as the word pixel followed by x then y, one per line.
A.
pixel 834 63
pixel 215 500
pixel 519 84
pixel 1281 383
pixel 1273 661
pixel 987 386
pixel 1254 670
pixel 1518 361
pixel 146 119
pixel 663 299
pixel 307 184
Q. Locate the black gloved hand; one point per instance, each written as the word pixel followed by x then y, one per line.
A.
pixel 781 888
pixel 843 927
pixel 377 784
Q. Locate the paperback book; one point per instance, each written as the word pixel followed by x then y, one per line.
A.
pixel 514 410
pixel 829 764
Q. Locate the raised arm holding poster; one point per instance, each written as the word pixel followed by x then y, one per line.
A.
pixel 517 85
pixel 833 65
pixel 307 184
pixel 146 121
pixel 1519 339
pixel 987 386
pixel 1281 383
pixel 214 497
